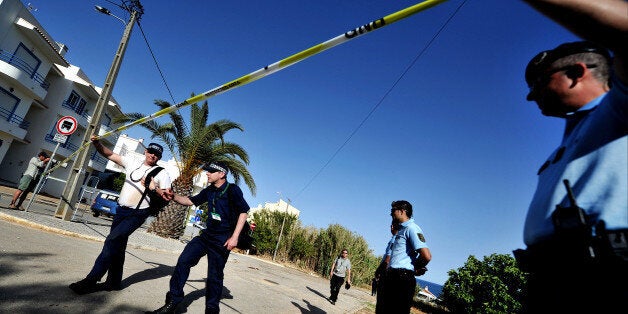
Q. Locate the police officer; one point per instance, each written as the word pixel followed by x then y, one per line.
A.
pixel 576 242
pixel 227 208
pixel 408 258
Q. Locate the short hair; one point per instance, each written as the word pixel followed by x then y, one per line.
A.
pixel 403 205
pixel 601 71
pixel 42 154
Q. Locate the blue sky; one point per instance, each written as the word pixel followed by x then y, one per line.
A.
pixel 450 132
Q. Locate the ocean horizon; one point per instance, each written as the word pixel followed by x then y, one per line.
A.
pixel 436 289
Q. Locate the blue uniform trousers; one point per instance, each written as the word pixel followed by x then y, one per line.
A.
pixel 397 292
pixel 217 255
pixel 111 258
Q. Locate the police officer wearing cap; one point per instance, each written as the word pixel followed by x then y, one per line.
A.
pixel 577 223
pixel 409 257
pixel 130 215
pixel 226 209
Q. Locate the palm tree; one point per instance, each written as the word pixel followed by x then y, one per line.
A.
pixel 201 144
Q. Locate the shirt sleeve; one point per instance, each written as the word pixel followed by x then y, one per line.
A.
pixel 416 238
pixel 241 206
pixel 200 198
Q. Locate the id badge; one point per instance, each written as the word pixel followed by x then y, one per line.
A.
pixel 215 216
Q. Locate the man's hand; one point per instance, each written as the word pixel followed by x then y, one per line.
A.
pixel 420 271
pixel 231 243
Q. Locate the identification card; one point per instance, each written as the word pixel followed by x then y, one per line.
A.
pixel 215 216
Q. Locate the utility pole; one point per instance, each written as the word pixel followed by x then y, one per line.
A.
pixel 77 173
pixel 281 230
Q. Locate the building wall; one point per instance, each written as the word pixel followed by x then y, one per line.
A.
pixel 41 108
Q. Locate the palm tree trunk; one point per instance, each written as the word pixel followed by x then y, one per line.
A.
pixel 170 222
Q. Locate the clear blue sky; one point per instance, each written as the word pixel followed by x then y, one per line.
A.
pixel 455 136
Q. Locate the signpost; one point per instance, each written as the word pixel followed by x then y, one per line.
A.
pixel 65 127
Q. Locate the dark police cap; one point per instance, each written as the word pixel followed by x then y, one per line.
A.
pixel 542 61
pixel 215 167
pixel 156 149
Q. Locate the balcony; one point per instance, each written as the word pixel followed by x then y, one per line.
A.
pixel 22 72
pixel 14 119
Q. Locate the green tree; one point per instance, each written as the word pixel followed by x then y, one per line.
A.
pixel 494 285
pixel 190 149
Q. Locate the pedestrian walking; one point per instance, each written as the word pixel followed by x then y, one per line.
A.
pixel 340 269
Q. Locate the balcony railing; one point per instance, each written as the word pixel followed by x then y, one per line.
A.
pixel 20 64
pixel 74 107
pixel 13 118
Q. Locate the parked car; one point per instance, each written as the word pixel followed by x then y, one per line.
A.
pixel 105 203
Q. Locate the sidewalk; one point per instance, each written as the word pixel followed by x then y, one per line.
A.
pixel 41 215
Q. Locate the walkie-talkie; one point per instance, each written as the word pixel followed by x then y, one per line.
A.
pixel 571 223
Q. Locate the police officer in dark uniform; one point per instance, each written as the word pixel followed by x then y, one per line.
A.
pixel 577 224
pixel 216 241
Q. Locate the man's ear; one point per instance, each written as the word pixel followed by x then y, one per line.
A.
pixel 576 71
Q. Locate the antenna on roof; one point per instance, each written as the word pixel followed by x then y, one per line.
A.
pixel 31 8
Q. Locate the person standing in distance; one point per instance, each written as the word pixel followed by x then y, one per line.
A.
pixel 570 247
pixel 227 214
pixel 380 272
pixel 29 178
pixel 409 258
pixel 340 269
pixel 130 215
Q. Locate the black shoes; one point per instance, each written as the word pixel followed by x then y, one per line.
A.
pixel 84 286
pixel 168 308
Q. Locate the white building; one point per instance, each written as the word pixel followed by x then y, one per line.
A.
pixel 281 206
pixel 38 86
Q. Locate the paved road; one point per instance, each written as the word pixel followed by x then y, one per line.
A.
pixel 40 255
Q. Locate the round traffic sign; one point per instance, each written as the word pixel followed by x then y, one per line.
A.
pixel 67 125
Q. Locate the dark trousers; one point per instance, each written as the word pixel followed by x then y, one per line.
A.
pixel 217 255
pixel 335 283
pixel 587 289
pixel 396 293
pixel 111 258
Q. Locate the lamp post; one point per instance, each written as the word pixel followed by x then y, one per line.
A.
pixel 282 224
pixel 77 172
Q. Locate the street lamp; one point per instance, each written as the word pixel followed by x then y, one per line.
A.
pixel 70 195
pixel 282 224
pixel 107 12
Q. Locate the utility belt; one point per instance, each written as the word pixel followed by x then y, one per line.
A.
pixel 607 249
pixel 399 273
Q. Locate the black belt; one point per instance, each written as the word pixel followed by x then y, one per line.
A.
pixel 400 271
pixel 608 249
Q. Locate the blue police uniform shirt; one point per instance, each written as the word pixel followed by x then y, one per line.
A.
pixel 389 246
pixel 218 199
pixel 593 156
pixel 408 240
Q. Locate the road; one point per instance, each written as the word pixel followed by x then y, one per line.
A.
pixel 36 267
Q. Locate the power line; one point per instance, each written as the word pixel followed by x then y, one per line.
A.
pixel 420 54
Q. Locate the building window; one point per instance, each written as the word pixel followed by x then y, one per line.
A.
pixel 26 59
pixel 8 103
pixel 73 100
pixel 106 120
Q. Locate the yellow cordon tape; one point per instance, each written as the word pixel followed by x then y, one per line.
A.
pixel 270 69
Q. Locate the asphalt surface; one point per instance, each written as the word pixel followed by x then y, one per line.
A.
pixel 40 255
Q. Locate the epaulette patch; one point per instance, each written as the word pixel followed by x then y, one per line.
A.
pixel 421 237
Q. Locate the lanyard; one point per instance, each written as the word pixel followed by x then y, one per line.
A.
pixel 219 196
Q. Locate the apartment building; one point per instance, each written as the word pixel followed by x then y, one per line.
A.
pixel 38 86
